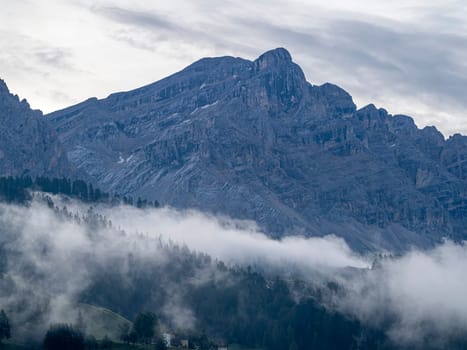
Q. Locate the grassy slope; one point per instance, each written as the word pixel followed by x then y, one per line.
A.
pixel 101 322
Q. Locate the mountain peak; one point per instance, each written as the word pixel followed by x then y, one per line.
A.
pixel 274 57
pixel 3 87
pixel 254 140
pixel 28 145
pixel 6 95
pixel 281 79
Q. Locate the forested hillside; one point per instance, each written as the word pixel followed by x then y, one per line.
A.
pixel 46 237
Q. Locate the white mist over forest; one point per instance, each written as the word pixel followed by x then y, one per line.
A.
pixel 52 260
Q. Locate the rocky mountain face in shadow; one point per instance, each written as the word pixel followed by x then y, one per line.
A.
pixel 254 140
pixel 28 145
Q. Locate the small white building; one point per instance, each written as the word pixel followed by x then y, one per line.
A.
pixel 184 343
pixel 167 339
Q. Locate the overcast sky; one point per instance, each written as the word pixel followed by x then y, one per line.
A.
pixel 407 56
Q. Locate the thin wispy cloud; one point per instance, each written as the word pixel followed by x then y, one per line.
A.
pixel 127 16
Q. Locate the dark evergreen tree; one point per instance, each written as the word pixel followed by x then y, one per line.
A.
pixel 5 328
pixel 65 186
pixel 80 189
pixel 63 336
pixel 18 190
pixel 80 324
pixel 90 343
pixel 124 332
pixel 144 326
pixel 91 194
pixel 106 343
pixel 160 344
pixel 139 203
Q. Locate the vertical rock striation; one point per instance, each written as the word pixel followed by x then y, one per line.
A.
pixel 255 140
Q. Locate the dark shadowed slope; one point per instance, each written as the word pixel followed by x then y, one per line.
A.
pixel 255 140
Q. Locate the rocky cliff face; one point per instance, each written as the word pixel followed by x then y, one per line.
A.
pixel 28 145
pixel 255 140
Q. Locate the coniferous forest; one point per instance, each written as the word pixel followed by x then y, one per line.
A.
pixel 188 293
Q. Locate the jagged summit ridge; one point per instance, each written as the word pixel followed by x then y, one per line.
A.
pixel 9 99
pixel 3 87
pixel 28 145
pixel 255 140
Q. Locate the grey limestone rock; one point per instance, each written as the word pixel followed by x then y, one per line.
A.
pixel 255 140
pixel 28 145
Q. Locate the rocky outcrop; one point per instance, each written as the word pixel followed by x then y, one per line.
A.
pixel 255 140
pixel 28 145
pixel 454 156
